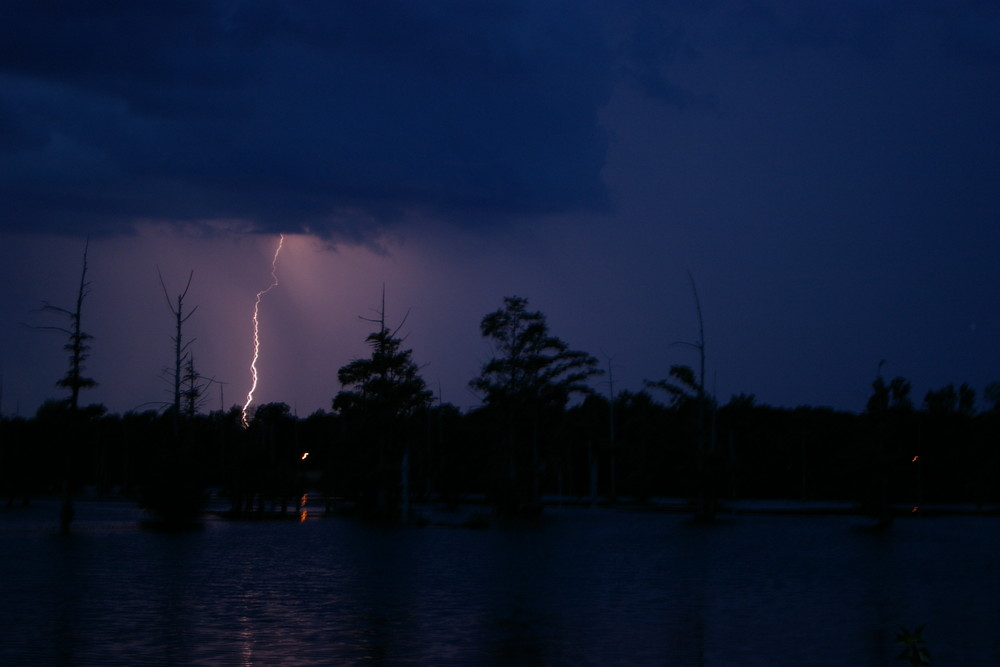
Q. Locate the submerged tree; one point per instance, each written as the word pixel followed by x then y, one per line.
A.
pixel 948 422
pixel 694 409
pixel 78 347
pixel 380 393
pixel 173 490
pixel 268 460
pixel 889 418
pixel 684 388
pixel 529 381
pixel 182 352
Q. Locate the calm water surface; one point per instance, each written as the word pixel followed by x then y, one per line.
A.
pixel 577 587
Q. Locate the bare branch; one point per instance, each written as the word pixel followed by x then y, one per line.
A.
pixel 61 330
pixel 181 348
pixel 402 322
pixel 163 285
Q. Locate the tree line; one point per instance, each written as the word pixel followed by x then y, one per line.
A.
pixel 542 430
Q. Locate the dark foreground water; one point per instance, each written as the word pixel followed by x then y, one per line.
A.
pixel 578 587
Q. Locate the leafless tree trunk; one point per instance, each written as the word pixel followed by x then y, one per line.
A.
pixel 79 350
pixel 705 445
pixel 181 348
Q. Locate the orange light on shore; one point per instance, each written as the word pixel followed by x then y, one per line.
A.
pixel 914 459
pixel 914 509
pixel 305 455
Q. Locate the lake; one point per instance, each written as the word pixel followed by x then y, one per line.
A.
pixel 575 587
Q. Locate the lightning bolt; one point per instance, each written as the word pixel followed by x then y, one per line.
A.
pixel 256 329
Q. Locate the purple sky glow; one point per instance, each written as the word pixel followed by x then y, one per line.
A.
pixel 830 176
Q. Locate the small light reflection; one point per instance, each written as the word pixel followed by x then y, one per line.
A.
pixel 247 641
pixel 303 512
pixel 914 509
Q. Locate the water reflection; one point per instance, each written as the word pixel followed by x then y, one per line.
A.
pixel 574 587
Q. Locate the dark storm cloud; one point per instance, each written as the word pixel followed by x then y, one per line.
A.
pixel 331 116
pixel 296 114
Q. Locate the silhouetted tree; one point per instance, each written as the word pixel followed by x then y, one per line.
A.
pixel 527 383
pixel 892 438
pixel 19 462
pixel 949 400
pixel 173 489
pixel 650 461
pixel 894 395
pixel 681 386
pixel 688 399
pixel 192 388
pixel 986 463
pixel 78 347
pixel 274 466
pixel 446 465
pixel 181 347
pixel 952 465
pixel 587 447
pixel 690 387
pixel 381 393
pixel 992 395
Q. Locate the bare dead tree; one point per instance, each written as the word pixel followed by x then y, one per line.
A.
pixel 681 384
pixel 698 345
pixel 173 490
pixel 705 446
pixel 181 348
pixel 78 346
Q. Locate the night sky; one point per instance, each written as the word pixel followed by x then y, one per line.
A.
pixel 828 173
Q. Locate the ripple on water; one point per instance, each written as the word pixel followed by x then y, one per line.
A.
pixel 577 587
